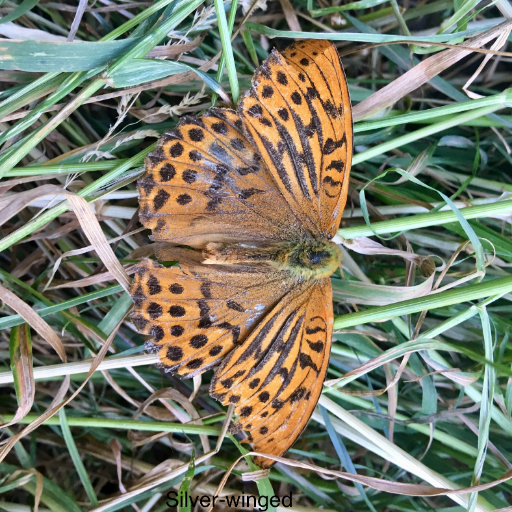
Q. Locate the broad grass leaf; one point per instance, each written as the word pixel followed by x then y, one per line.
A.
pixel 44 56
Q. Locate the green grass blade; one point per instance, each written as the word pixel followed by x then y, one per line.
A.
pixel 77 461
pixel 227 50
pixel 455 296
pixel 23 8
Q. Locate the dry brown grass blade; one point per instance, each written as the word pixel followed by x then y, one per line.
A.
pixel 23 476
pixel 176 396
pixel 390 385
pixel 21 364
pixel 154 412
pixel 95 278
pixel 374 483
pixel 54 234
pixel 12 204
pixel 174 50
pixel 164 82
pixel 116 448
pixel 6 185
pixel 160 474
pixel 89 281
pixel 454 374
pixel 290 15
pixel 82 6
pixel 85 215
pixel 92 229
pixel 484 51
pixel 422 73
pixel 58 402
pixel 370 365
pixel 158 51
pixel 34 320
pixel 363 245
pixel 502 40
pixel 91 446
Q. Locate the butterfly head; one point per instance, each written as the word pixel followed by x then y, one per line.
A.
pixel 312 259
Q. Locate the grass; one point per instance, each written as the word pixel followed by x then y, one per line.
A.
pixel 419 388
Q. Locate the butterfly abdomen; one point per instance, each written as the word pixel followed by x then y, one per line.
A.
pixel 306 259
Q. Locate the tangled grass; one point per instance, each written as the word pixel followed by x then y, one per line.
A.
pixel 419 387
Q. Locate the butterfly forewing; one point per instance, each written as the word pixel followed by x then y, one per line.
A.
pixel 298 115
pixel 206 183
pixel 276 377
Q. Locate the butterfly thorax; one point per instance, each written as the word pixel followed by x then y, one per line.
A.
pixel 307 259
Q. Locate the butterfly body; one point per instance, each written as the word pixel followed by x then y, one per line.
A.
pixel 304 259
pixel 247 202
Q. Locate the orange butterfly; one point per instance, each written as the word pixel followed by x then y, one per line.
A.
pixel 256 196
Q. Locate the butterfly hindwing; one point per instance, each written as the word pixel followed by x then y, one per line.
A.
pixel 298 115
pixel 276 377
pixel 206 183
pixel 197 314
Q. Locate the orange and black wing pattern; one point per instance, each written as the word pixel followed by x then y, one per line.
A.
pixel 275 378
pixel 255 196
pixel 197 314
pixel 298 115
pixel 206 183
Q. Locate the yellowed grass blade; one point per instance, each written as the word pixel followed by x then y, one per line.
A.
pixel 33 319
pixel 20 349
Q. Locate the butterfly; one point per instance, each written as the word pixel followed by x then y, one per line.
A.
pixel 248 202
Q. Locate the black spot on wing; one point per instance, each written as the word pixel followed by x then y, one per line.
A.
pixel 330 145
pixel 237 144
pixel 195 156
pixel 331 182
pixel 138 296
pixel 160 199
pixel 196 134
pixel 177 330
pixel 305 361
pixel 255 110
pixel 205 320
pixel 140 322
pixel 157 332
pixel 183 199
pixel 154 310
pixel 167 172
pixel 297 395
pixel 338 165
pixel 314 330
pixel 249 192
pixel 176 150
pixel 198 341
pixel 206 290
pixel 316 346
pixel 221 128
pixel 281 78
pixel 174 353
pixel 195 364
pixel 154 285
pixel 189 176
pixel 177 311
pixel 231 304
pixel 267 91
pixel 216 350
